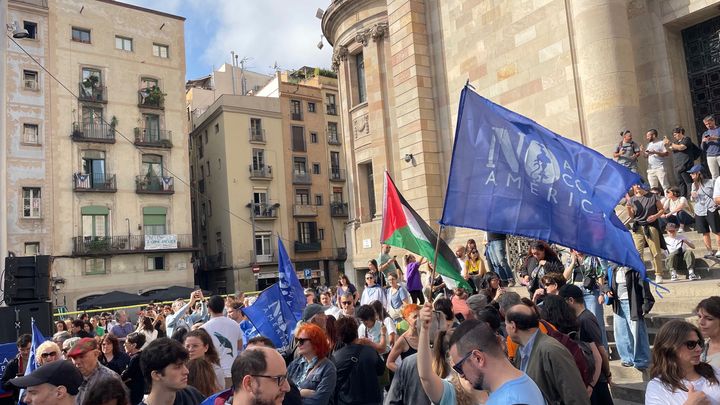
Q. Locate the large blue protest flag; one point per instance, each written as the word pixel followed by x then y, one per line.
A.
pixel 272 317
pixel 37 339
pixel 511 175
pixel 292 290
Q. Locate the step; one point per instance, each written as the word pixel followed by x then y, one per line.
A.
pixel 630 392
pixel 626 375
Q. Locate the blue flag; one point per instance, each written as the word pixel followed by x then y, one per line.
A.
pixel 272 317
pixel 510 175
pixel 37 339
pixel 292 290
pixel 8 351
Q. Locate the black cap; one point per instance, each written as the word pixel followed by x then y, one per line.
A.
pixel 57 373
pixel 571 291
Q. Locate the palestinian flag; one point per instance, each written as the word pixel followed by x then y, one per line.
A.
pixel 402 227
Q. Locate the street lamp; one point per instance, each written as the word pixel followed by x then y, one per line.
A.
pixel 17 32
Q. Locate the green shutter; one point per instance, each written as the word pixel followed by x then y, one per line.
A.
pixel 154 215
pixel 154 211
pixel 95 210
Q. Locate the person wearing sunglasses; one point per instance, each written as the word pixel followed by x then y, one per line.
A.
pixel 347 305
pixel 312 371
pixel 478 357
pixel 47 352
pixel 679 374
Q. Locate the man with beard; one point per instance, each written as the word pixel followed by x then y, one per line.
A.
pixel 479 358
pixel 259 377
pixel 544 359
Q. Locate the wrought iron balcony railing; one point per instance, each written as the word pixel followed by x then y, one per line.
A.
pixel 100 182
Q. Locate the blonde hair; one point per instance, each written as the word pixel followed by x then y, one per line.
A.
pixel 48 344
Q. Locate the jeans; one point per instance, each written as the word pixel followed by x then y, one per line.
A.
pixel 498 259
pixel 591 303
pixel 631 337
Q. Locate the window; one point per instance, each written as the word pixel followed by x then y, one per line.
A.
pixel 208 167
pixel 335 163
pixel 95 266
pixel 258 159
pixel 368 188
pixel 149 83
pixel 299 166
pixel 321 234
pixel 298 139
pixel 263 244
pixel 302 196
pixel 30 79
pixel 360 72
pixel 31 134
pixel 161 51
pixel 200 150
pixel 313 137
pixel 205 137
pixel 152 166
pixel 311 107
pixel 152 127
pixel 333 132
pixel 31 202
pixel 331 107
pixel 296 110
pixel 123 43
pixel 155 263
pixel 209 207
pixel 260 200
pixel 316 168
pixel 318 199
pixel 217 128
pixel 337 196
pixel 81 35
pixel 256 131
pixel 32 248
pixel 307 232
pixel 154 220
pixel 31 28
pixel 91 85
pixel 95 222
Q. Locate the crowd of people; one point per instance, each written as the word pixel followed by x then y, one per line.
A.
pixel 403 338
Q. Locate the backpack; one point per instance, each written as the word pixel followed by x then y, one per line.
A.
pixel 580 351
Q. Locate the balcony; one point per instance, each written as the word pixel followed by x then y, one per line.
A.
pixel 331 109
pixel 93 94
pixel 337 174
pixel 154 185
pixel 296 116
pixel 304 210
pixel 263 257
pixel 302 178
pixel 333 138
pixel 201 186
pixel 151 97
pixel 339 209
pixel 260 172
pixel 257 135
pixel 97 182
pixel 265 212
pixel 91 131
pixel 301 247
pixel 153 137
pixel 128 244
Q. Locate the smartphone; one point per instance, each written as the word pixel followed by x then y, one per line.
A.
pixel 460 318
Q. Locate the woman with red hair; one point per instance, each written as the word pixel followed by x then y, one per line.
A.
pixel 313 373
pixel 405 345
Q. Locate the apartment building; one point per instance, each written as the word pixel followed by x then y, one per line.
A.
pixel 246 154
pixel 96 161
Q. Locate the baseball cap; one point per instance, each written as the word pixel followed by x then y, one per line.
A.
pixel 695 169
pixel 57 373
pixel 571 291
pixel 312 310
pixel 82 346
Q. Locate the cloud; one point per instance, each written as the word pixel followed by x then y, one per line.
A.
pixel 265 32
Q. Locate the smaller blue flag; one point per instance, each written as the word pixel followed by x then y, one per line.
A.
pixel 272 317
pixel 290 287
pixel 248 331
pixel 37 340
pixel 8 351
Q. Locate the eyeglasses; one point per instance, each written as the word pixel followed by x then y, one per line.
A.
pixel 301 341
pixel 46 355
pixel 280 379
pixel 346 302
pixel 369 278
pixel 692 344
pixel 458 366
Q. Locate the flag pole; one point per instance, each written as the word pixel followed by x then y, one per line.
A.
pixel 434 262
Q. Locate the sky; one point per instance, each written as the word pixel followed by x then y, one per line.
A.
pixel 265 32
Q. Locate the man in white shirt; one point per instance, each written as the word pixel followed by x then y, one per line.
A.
pixel 678 247
pixel 225 335
pixel 655 153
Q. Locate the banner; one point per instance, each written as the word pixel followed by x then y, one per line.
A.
pixel 158 242
pixel 511 175
pixel 272 317
pixel 8 351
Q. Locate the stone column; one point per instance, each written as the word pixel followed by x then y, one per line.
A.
pixel 605 70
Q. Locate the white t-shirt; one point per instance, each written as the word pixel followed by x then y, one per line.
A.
pixel 658 394
pixel 225 334
pixel 671 205
pixel 716 189
pixel 673 244
pixel 655 161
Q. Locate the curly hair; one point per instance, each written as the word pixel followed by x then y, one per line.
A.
pixel 558 312
pixel 408 309
pixel 554 278
pixel 547 249
pixel 668 341
pixel 318 339
pixel 211 354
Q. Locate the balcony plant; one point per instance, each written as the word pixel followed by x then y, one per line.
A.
pixel 152 96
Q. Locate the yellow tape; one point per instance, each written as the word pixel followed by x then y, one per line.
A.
pixel 113 309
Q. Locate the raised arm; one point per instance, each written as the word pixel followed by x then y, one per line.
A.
pixel 431 382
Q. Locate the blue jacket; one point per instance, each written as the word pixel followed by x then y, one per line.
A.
pixel 321 379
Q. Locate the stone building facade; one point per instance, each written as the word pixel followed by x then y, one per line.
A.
pixel 584 69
